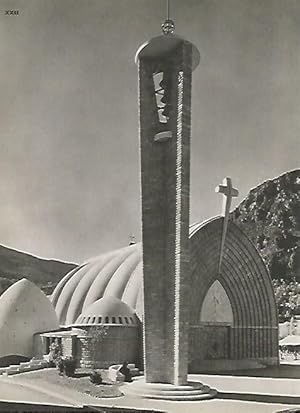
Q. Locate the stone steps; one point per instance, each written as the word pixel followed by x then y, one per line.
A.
pixel 13 369
pixel 162 391
pixel 23 367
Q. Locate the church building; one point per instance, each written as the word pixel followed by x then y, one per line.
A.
pixel 189 298
pixel 232 323
pixel 233 317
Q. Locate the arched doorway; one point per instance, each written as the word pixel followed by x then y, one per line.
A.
pixel 233 316
pixel 210 338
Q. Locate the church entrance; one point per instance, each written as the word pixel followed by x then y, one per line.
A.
pixel 209 339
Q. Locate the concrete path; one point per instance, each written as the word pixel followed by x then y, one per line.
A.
pixel 12 391
pixel 252 385
pixel 206 406
pixel 238 386
pixel 13 388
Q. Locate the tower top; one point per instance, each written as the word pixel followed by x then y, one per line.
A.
pixel 162 45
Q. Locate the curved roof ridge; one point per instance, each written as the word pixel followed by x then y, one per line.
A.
pixel 84 284
pixel 58 289
pixel 131 291
pixel 121 276
pixel 198 225
pixel 103 254
pixel 66 294
pixel 99 284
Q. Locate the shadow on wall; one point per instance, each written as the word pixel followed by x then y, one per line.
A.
pixel 12 359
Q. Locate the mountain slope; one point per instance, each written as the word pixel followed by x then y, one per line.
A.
pixel 270 216
pixel 15 265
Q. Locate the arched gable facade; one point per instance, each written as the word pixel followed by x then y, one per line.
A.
pixel 253 332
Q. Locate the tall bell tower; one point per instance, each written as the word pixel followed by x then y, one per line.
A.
pixel 165 65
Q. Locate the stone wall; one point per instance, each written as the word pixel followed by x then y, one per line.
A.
pixel 119 344
pixel 67 346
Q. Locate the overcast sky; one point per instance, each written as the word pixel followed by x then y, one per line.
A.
pixel 69 160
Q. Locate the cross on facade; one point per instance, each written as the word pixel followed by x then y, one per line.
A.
pixel 229 192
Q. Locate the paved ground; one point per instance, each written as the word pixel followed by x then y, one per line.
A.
pixel 12 391
pixel 251 385
pixel 206 406
pixel 290 362
pixel 19 389
pixel 284 370
pixel 16 388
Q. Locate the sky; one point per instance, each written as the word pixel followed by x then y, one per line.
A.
pixel 69 137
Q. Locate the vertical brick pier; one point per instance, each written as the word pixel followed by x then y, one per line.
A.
pixel 165 176
pixel 165 71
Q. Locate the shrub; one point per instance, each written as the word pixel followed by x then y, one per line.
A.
pixel 287 296
pixel 54 354
pixel 66 366
pixel 60 365
pixel 69 366
pixel 95 377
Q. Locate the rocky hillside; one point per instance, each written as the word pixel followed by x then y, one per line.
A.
pixel 270 216
pixel 15 265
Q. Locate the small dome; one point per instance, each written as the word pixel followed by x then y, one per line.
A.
pixel 108 310
pixel 24 311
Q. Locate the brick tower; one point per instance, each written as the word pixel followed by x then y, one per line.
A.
pixel 165 72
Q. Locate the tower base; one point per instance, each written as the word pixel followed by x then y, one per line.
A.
pixel 164 391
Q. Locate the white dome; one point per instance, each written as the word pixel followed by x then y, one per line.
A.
pixel 24 311
pixel 108 310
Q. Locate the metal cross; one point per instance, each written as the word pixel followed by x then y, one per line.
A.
pixel 229 192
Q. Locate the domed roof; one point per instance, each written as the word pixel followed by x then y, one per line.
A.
pixel 117 273
pixel 108 310
pixel 24 311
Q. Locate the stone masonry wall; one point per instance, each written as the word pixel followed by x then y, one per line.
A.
pixel 120 344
